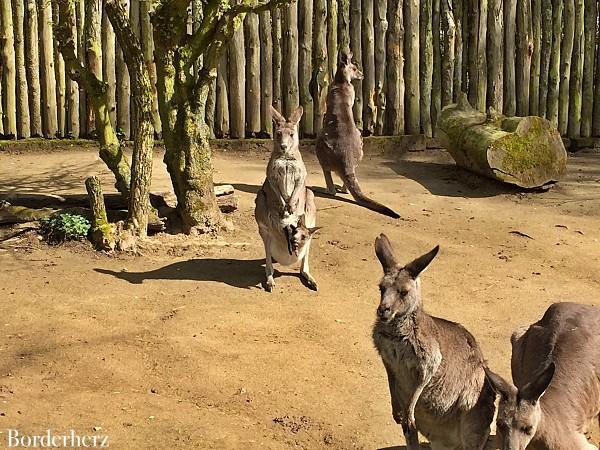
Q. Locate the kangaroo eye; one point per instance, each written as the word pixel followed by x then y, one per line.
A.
pixel 403 293
pixel 527 430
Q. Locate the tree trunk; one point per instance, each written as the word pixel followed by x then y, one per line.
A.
pixel 596 111
pixel 102 232
pixel 93 52
pixel 237 85
pixel 495 55
pixel 368 48
pixel 277 56
pixel 427 66
pixel 566 52
pixel 574 123
pixel 332 40
pixel 108 67
pixel 545 52
pixel 554 72
pixel 395 70
pixel 381 26
pixel 411 66
pixel 524 54
pixel 72 91
pixel 222 105
pixel 525 151
pixel 436 76
pixel 252 43
pixel 534 81
pixel 22 93
pixel 141 173
pixel 481 56
pixel 305 66
pixel 344 26
pixel 7 69
pixel 591 14
pixel 291 98
pixel 147 41
pixel 32 66
pixel 356 47
pixel 510 91
pixel 320 79
pixel 48 77
pixel 466 33
pixel 473 50
pixel 80 46
pixel 123 89
pixel 110 148
pixel 266 74
pixel 59 73
pixel 458 49
pixel 449 34
pixel 134 20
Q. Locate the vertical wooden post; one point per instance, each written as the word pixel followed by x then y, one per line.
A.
pixel 524 54
pixel 277 56
pixel 534 81
pixel 134 21
pixel 80 24
pixel 545 52
pixel 59 71
pixel 22 93
pixel 147 42
pixel 566 52
pixel 73 90
pixel 458 49
pixel 320 78
pixel 412 66
pixel 356 47
pixel 368 49
pixel 495 55
pixel 32 66
pixel 252 44
pixel 395 69
pixel 436 78
pixel 108 67
pixel 510 91
pixel 222 104
pixel 93 49
pixel 48 76
pixel 344 25
pixel 574 121
pixel 123 89
pixel 481 56
pixel 291 99
pixel 591 14
pixel 473 50
pixel 466 33
pixel 266 73
pixel 426 49
pixel 381 26
pixel 332 40
pixel 8 72
pixel 305 23
pixel 554 73
pixel 237 85
pixel 449 34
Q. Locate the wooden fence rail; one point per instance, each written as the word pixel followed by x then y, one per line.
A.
pixel 537 57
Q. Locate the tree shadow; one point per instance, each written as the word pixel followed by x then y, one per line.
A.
pixel 239 273
pixel 449 180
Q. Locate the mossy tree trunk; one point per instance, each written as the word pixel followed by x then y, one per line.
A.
pixel 73 97
pixel 147 41
pixel 108 66
pixel 123 89
pixel 495 55
pixel 32 62
pixel 47 74
pixel 458 52
pixel 252 44
pixel 449 37
pixel 566 53
pixel 8 69
pixel 344 25
pixel 289 81
pixel 436 76
pixel 368 59
pixel 182 98
pixel 266 73
pixel 576 82
pixel 93 53
pixel 381 26
pixel 524 54
pixel 545 52
pixel 320 77
pixel 395 69
pixel 356 47
pixel 554 70
pixel 277 55
pixel 534 80
pixel 110 148
pixel 426 65
pixel 509 87
pixel 22 93
pixel 61 86
pixel 332 36
pixel 305 23
pixel 591 14
pixel 412 66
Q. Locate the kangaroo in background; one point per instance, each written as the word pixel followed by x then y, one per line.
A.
pixel 556 373
pixel 435 368
pixel 339 145
pixel 285 208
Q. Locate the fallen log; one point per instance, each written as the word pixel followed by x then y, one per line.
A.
pixel 10 214
pixel 524 151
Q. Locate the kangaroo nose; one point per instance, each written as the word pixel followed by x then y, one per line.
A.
pixel 383 311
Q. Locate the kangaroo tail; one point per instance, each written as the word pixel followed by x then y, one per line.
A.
pixel 352 184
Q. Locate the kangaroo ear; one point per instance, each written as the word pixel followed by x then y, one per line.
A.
pixel 313 230
pixel 416 267
pixel 385 253
pixel 296 115
pixel 502 387
pixel 277 117
pixel 533 390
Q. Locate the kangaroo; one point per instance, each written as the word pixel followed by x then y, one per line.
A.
pixel 339 145
pixel 285 208
pixel 435 368
pixel 556 373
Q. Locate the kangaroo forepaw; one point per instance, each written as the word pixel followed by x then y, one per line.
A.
pixel 269 284
pixel 310 281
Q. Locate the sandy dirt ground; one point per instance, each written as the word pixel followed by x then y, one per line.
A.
pixel 182 348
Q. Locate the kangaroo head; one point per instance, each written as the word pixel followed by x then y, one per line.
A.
pixel 286 131
pixel 347 70
pixel 400 286
pixel 519 410
pixel 299 235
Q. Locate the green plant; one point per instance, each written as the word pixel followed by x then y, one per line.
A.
pixel 63 226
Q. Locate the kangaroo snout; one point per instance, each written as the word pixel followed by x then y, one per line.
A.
pixel 384 312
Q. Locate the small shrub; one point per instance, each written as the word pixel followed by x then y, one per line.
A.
pixel 62 227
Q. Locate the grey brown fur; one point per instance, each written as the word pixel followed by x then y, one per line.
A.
pixel 285 208
pixel 556 373
pixel 435 368
pixel 339 144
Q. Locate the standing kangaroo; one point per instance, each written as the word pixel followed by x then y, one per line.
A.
pixel 285 208
pixel 556 371
pixel 339 144
pixel 435 368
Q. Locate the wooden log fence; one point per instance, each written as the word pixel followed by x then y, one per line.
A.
pixel 536 57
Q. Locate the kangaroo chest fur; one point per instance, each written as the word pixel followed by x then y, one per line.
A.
pixel 285 174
